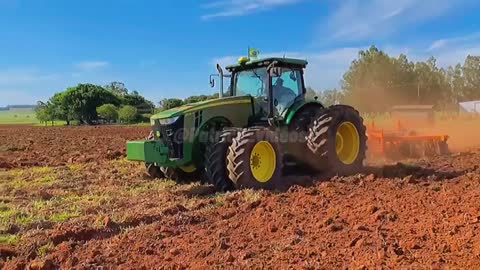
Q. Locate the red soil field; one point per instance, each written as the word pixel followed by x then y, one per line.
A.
pixel 420 214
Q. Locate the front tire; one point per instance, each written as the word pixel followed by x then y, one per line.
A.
pixel 255 160
pixel 337 139
pixel 216 160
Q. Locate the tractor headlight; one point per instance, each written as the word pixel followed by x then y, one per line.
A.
pixel 168 121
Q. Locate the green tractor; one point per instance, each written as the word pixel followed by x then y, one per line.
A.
pixel 259 127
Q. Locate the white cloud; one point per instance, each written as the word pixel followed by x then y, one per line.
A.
pixel 91 65
pixel 353 20
pixel 229 8
pixel 438 44
pixel 464 41
pixel 453 50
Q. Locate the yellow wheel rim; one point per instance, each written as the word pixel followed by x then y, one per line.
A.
pixel 263 161
pixel 347 143
pixel 188 169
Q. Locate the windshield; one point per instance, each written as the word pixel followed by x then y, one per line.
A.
pixel 251 82
pixel 286 87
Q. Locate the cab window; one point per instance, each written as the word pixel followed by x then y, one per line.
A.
pixel 251 82
pixel 286 88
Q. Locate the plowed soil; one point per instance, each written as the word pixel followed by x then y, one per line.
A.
pixel 415 214
pixel 26 146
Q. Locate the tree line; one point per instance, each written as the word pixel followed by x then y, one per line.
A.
pixel 376 81
pixel 91 104
pixel 112 103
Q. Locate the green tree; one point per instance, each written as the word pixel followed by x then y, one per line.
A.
pixel 62 109
pixel 169 103
pixel 46 112
pixel 127 114
pixel 331 97
pixel 193 99
pixel 108 112
pixel 456 82
pixel 143 105
pixel 471 73
pixel 41 113
pixel 371 75
pixel 117 88
pixel 311 93
pixel 375 82
pixel 84 99
pixel 432 82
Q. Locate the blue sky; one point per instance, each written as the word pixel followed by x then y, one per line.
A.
pixel 169 48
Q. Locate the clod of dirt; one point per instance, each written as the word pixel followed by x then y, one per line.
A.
pixel 251 206
pixel 299 232
pixel 370 177
pixel 174 251
pixel 7 252
pixel 11 229
pixel 335 227
pixel 230 258
pixel 42 265
pixel 361 228
pixel 114 154
pixel 44 195
pixel 386 216
pixel 224 245
pixel 248 255
pixel 372 209
pixel 410 179
pixel 397 250
pixel 175 210
pixel 355 241
pixel 229 214
pixel 5 165
pixel 416 246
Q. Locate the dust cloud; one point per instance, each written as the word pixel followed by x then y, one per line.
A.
pixel 464 133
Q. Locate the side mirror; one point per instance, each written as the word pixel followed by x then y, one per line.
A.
pixel 212 80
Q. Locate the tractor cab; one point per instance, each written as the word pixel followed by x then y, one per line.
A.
pixel 274 84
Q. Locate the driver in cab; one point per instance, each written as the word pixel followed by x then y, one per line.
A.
pixel 282 95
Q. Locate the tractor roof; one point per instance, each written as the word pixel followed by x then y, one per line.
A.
pixel 266 61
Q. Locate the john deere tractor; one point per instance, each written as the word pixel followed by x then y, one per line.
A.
pixel 262 124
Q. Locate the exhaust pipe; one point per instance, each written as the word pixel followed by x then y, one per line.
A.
pixel 220 74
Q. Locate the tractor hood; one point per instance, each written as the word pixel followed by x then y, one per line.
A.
pixel 192 107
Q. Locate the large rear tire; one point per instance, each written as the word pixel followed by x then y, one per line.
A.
pixel 216 160
pixel 255 160
pixel 337 139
